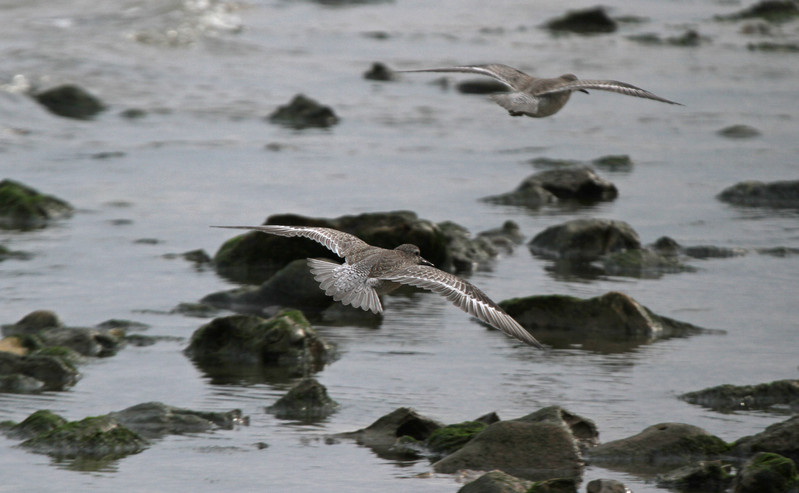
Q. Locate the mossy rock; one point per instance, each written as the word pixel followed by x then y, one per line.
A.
pixel 70 101
pixel 304 112
pixel 450 438
pixel 41 421
pixel 306 401
pixel 99 436
pixel 767 473
pixel 23 207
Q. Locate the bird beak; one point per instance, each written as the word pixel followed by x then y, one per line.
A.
pixel 583 90
pixel 424 261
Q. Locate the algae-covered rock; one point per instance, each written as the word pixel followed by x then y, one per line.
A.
pixel 100 436
pixel 382 435
pixel 254 256
pixel 578 184
pixel 70 101
pixel 243 343
pixel 449 438
pixel 306 401
pixel 727 398
pixel 767 473
pixel 497 482
pixel 661 447
pixel 587 21
pixel 780 438
pixel 41 421
pixel 23 207
pixel 584 240
pixel 768 10
pixel 155 420
pixel 777 194
pixel 711 476
pixel 34 372
pixel 304 112
pixel 612 317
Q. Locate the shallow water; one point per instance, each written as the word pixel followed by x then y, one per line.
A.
pixel 206 73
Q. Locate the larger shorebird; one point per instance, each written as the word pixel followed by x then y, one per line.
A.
pixel 369 271
pixel 538 98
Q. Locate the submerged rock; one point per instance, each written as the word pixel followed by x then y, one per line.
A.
pixel 780 438
pixel 286 339
pixel 70 101
pixel 727 398
pixel 303 112
pixel 306 401
pixel 659 447
pixel 100 436
pixel 584 239
pixel 497 482
pixel 155 420
pixel 570 184
pixel 739 132
pixel 756 193
pixel 383 435
pixel 767 473
pixel 711 476
pixel 542 445
pixel 22 207
pixel 587 21
pixel 380 72
pixel 769 10
pixel 613 317
pixel 254 256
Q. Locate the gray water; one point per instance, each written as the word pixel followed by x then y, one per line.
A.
pixel 206 73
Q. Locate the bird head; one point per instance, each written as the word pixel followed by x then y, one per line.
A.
pixel 414 253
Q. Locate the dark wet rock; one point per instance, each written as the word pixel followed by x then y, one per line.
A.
pixel 254 256
pixel 16 383
pixel 497 482
pixel 769 10
pixel 582 429
pixel 606 486
pixel 767 473
pixel 690 38
pixel 291 286
pixel 569 184
pixel 199 310
pixel 33 322
pixel 614 162
pixel 286 339
pixel 779 251
pixel 100 436
pixel 464 251
pixel 772 47
pixel 8 254
pixel 480 86
pixel 557 485
pixel 613 317
pixel 643 263
pixel 522 447
pixel 757 193
pixel 505 238
pixel 588 21
pixel 70 101
pixel 660 446
pixel 22 207
pixel 51 332
pixel 306 401
pixel 584 239
pixel 711 476
pixel 155 420
pixel 41 421
pixel 780 438
pixel 34 372
pixel 727 398
pixel 133 113
pixel 380 72
pixel 198 257
pixel 739 132
pixel 382 435
pixel 711 251
pixel 303 112
pixel 450 438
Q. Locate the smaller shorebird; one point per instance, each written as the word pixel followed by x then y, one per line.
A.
pixel 538 98
pixel 369 271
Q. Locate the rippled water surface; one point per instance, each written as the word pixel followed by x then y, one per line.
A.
pixel 207 73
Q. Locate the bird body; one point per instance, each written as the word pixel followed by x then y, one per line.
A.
pixel 369 271
pixel 538 97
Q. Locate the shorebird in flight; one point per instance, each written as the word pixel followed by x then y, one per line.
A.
pixel 535 97
pixel 369 271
